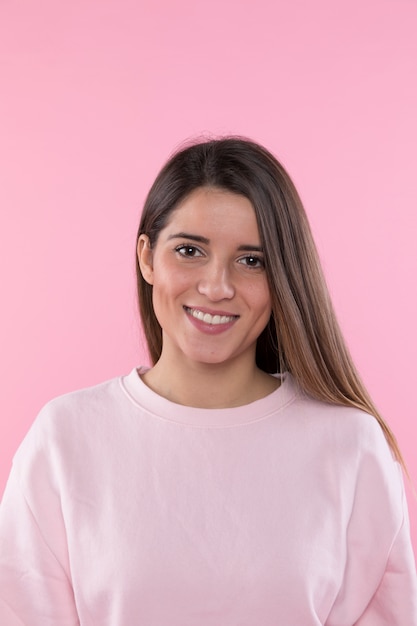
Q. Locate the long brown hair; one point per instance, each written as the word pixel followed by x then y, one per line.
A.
pixel 303 335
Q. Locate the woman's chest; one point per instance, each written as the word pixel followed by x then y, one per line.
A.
pixel 192 536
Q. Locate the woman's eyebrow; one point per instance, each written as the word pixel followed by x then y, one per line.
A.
pixel 244 247
pixel 198 238
pixel 247 247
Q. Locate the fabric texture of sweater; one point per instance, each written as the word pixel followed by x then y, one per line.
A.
pixel 125 509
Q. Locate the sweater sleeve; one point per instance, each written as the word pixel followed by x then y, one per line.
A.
pixel 380 582
pixel 395 600
pixel 35 585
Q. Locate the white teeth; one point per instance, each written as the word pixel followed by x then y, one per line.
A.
pixel 211 319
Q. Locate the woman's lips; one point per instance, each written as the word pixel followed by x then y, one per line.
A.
pixel 216 319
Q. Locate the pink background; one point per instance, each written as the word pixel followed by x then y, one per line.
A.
pixel 96 94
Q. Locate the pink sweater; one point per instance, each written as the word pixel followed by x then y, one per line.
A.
pixel 124 509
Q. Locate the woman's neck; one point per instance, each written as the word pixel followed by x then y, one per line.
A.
pixel 211 386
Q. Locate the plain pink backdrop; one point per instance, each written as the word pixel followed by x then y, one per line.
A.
pixel 94 97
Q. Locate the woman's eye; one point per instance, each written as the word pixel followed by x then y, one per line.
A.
pixel 188 251
pixel 252 261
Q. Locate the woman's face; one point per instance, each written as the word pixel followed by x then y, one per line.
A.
pixel 210 291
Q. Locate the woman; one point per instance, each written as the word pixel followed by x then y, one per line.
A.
pixel 246 477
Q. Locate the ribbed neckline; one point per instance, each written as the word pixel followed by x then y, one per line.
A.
pixel 159 407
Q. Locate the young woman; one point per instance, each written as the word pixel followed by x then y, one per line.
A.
pixel 245 478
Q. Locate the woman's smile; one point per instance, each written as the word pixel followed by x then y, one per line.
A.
pixel 210 322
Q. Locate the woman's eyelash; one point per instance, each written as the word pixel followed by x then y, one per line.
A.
pixel 252 261
pixel 186 249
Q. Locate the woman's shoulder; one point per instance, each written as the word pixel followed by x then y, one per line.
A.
pixel 79 401
pixel 72 414
pixel 345 429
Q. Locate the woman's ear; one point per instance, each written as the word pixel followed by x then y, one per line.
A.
pixel 145 258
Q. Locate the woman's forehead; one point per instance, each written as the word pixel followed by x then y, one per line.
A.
pixel 216 212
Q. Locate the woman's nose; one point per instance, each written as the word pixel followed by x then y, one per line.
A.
pixel 215 283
